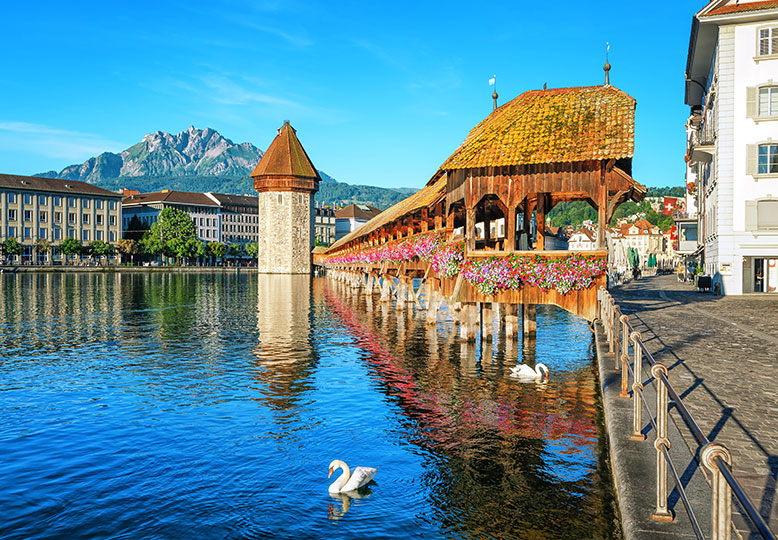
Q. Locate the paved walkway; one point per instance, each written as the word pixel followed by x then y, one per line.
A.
pixel 722 353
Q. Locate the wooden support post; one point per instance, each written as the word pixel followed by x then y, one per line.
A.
pixel 470 234
pixel 541 222
pixel 469 322
pixel 433 303
pixel 510 228
pixel 487 320
pixel 530 322
pixel 511 321
pixel 386 289
pixel 602 206
pixel 401 294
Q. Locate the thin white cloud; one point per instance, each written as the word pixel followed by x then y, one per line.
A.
pixel 54 142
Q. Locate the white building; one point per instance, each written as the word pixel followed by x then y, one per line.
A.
pixel 732 89
pixel 584 239
pixel 353 216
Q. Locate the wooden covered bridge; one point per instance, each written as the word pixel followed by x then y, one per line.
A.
pixel 476 233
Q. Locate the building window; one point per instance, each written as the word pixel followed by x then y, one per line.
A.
pixel 112 236
pixel 57 217
pixel 72 217
pixel 71 233
pixel 99 219
pixel 85 203
pixel 85 236
pixel 57 201
pixel 99 204
pixel 768 101
pixel 11 232
pixel 98 235
pixel 41 232
pixel 43 216
pixel 112 220
pixel 767 159
pixel 41 199
pixel 72 202
pixel 768 41
pixel 767 214
pixel 11 214
pixel 28 215
pixel 27 198
pixel 112 205
pixel 28 232
pixel 12 198
pixel 85 219
pixel 57 233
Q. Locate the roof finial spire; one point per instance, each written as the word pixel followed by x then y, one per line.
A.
pixel 607 66
pixel 493 82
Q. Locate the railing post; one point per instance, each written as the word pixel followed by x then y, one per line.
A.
pixel 624 356
pixel 721 501
pixel 616 339
pixel 637 389
pixel 661 513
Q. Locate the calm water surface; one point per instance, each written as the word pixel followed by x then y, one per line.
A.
pixel 209 406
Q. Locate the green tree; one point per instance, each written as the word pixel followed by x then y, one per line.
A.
pixel 129 246
pixel 252 250
pixel 173 234
pixel 71 247
pixel 42 246
pixel 235 250
pixel 216 250
pixel 11 247
pixel 100 249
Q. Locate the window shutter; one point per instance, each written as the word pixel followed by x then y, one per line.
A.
pixel 751 159
pixel 750 215
pixel 751 102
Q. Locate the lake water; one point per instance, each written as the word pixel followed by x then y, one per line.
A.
pixel 166 405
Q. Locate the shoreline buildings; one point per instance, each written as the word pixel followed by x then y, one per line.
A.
pixel 36 211
pixel 732 152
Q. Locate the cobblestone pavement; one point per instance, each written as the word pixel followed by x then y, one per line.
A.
pixel 722 353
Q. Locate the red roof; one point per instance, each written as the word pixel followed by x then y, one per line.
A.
pixel 743 7
pixel 55 185
pixel 171 197
pixel 286 157
pixel 643 226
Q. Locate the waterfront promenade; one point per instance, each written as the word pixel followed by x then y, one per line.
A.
pixel 722 356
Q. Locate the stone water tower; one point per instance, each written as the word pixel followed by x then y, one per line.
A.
pixel 286 181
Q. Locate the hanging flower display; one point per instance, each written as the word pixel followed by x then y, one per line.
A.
pixel 488 274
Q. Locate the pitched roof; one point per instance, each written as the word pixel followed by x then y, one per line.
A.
pixel 429 196
pixel 286 157
pixel 37 183
pixel 548 126
pixel 643 227
pixel 742 8
pixel 170 197
pixel 588 233
pixel 228 199
pixel 357 211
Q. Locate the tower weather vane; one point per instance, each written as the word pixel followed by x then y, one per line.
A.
pixel 607 66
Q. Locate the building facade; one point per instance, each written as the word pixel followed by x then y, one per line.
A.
pixel 142 210
pixel 351 217
pixel 36 210
pixel 732 153
pixel 238 218
pixel 324 225
pixel 286 181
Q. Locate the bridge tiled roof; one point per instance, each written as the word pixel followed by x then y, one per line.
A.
pixel 552 126
pixel 427 197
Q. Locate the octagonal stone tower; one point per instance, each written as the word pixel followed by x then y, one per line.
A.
pixel 286 181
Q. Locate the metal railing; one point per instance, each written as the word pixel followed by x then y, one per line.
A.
pixel 715 457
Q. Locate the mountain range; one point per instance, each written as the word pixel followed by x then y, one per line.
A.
pixel 203 160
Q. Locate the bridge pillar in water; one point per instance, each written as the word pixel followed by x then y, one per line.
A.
pixel 487 321
pixel 530 322
pixel 468 324
pixel 386 290
pixel 511 312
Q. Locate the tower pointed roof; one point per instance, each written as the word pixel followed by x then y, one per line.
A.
pixel 286 157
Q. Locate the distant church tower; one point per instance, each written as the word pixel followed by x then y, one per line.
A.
pixel 286 181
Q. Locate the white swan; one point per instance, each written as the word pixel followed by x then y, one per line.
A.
pixel 348 481
pixel 526 373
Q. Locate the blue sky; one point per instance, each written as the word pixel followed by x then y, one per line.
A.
pixel 380 93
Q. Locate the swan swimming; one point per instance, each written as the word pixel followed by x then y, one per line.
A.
pixel 348 481
pixel 526 373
